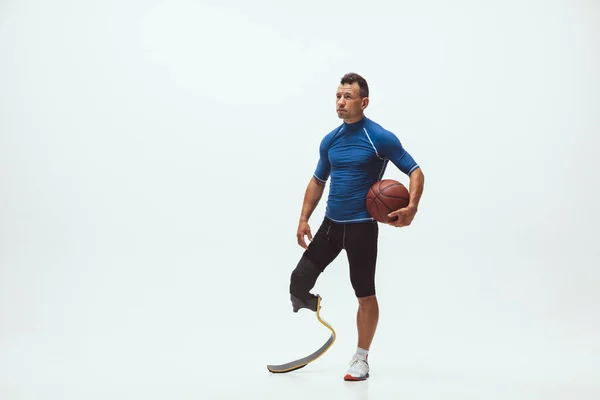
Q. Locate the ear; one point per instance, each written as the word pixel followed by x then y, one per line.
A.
pixel 365 103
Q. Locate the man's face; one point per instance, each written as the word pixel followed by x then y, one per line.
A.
pixel 349 104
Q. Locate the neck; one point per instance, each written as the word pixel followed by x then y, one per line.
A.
pixel 354 120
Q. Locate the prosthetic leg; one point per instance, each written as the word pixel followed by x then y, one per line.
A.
pixel 303 362
pixel 303 279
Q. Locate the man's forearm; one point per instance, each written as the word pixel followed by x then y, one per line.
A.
pixel 417 181
pixel 314 192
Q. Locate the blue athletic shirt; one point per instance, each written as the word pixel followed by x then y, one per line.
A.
pixel 355 156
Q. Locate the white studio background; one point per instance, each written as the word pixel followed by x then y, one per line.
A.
pixel 153 159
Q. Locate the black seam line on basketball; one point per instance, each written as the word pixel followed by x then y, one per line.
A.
pixel 382 192
pixel 378 212
pixel 393 197
pixel 389 186
pixel 376 208
pixel 381 202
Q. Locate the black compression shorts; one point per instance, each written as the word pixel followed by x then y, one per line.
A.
pixel 360 242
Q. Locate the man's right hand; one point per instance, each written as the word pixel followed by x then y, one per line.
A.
pixel 303 230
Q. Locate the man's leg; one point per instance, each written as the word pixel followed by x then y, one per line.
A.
pixel 367 318
pixel 361 247
pixel 303 279
pixel 322 250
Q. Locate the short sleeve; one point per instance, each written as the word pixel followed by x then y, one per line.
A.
pixel 391 148
pixel 323 166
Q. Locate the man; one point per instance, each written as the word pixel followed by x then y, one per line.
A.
pixel 355 156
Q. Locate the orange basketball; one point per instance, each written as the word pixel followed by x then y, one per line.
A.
pixel 385 196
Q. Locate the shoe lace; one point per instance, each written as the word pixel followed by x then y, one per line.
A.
pixel 359 364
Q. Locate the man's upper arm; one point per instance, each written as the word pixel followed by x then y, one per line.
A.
pixel 392 149
pixel 323 166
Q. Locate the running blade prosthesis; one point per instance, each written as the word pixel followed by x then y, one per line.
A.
pixel 303 362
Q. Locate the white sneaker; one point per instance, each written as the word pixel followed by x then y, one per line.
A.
pixel 358 370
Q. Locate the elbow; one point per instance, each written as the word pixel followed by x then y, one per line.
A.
pixel 417 173
pixel 317 182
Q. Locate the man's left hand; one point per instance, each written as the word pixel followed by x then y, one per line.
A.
pixel 405 216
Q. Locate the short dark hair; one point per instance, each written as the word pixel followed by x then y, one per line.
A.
pixel 352 77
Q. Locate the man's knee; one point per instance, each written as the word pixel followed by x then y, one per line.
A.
pixel 363 290
pixel 367 302
pixel 302 280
